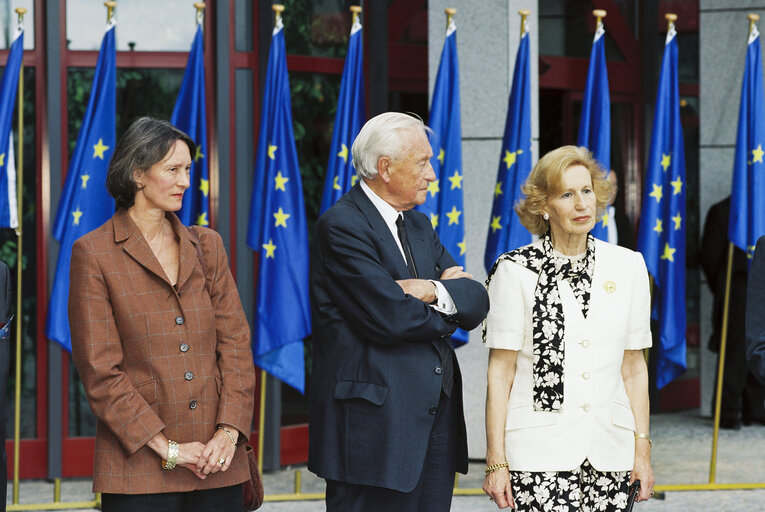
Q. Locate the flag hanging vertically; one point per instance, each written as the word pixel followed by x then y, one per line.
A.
pixel 85 204
pixel 278 231
pixel 661 236
pixel 747 207
pixel 595 123
pixel 349 119
pixel 444 202
pixel 8 89
pixel 505 229
pixel 189 115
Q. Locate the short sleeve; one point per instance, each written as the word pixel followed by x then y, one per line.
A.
pixel 506 322
pixel 639 323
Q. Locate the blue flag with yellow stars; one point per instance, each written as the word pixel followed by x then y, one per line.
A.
pixel 85 204
pixel 278 232
pixel 505 229
pixel 661 236
pixel 595 123
pixel 747 206
pixel 189 115
pixel 8 88
pixel 444 203
pixel 349 119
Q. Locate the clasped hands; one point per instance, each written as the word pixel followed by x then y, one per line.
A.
pixel 424 290
pixel 201 459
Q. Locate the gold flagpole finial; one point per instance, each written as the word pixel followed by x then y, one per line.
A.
pixel 278 9
pixel 356 10
pixel 110 5
pixel 753 18
pixel 200 9
pixel 599 15
pixel 450 12
pixel 524 14
pixel 21 11
pixel 671 19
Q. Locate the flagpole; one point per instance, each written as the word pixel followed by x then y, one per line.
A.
pixel 356 10
pixel 19 189
pixel 450 12
pixel 200 7
pixel 524 14
pixel 599 15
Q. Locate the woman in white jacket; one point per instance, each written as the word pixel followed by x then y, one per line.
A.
pixel 567 401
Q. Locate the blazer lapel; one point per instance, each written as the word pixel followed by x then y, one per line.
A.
pixel 391 256
pixel 135 245
pixel 423 259
pixel 188 251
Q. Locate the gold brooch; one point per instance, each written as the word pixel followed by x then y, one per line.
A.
pixel 610 287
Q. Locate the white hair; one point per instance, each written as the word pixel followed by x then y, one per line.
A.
pixel 381 136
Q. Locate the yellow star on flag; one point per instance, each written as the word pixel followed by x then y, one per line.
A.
pixel 202 219
pixel 510 157
pixel 498 189
pixel 665 161
pixel 204 186
pixel 335 184
pixel 343 153
pixel 433 188
pixel 757 154
pixel 658 227
pixel 677 186
pixel 434 220
pixel 354 179
pixel 656 192
pixel 678 220
pixel 456 180
pixel 77 214
pixel 84 178
pixel 272 151
pixel 605 218
pixel 281 218
pixel 270 248
pixel 99 148
pixel 454 216
pixel 441 156
pixel 279 182
pixel 462 247
pixel 495 225
pixel 750 251
pixel 2 159
pixel 669 253
pixel 199 154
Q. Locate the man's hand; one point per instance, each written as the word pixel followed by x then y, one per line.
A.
pixel 419 288
pixel 455 272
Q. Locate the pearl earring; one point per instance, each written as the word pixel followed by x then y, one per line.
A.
pixel 546 216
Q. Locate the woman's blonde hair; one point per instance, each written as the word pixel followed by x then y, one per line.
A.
pixel 545 180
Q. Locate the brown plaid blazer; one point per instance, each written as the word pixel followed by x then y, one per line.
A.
pixel 157 358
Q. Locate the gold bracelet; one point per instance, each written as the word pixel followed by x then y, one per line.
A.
pixel 495 467
pixel 644 436
pixel 228 433
pixel 172 456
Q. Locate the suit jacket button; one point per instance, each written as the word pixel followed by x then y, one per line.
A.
pixel 438 371
pixel 188 375
pixel 432 410
pixel 193 405
pixel 184 347
pixel 179 320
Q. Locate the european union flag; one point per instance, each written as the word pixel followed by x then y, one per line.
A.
pixel 85 204
pixel 661 237
pixel 505 229
pixel 595 123
pixel 444 203
pixel 189 115
pixel 349 119
pixel 8 88
pixel 278 232
pixel 747 207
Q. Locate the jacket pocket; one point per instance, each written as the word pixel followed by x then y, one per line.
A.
pixel 349 389
pixel 524 416
pixel 621 416
pixel 148 390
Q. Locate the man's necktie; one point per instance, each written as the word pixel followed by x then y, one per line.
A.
pixel 444 350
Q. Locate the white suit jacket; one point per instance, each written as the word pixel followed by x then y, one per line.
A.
pixel 596 421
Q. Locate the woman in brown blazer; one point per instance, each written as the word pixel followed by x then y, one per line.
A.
pixel 160 340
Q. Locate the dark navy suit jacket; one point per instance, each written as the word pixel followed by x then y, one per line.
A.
pixel 376 378
pixel 755 319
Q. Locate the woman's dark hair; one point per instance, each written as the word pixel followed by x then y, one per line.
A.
pixel 144 144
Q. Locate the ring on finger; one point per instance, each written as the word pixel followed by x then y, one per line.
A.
pixel 221 461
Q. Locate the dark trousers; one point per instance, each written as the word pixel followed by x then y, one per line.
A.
pixel 5 357
pixel 433 492
pixel 742 393
pixel 223 499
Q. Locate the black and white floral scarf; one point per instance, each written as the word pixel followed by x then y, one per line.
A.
pixel 547 317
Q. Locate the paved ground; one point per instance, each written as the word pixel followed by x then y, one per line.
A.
pixel 682 448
